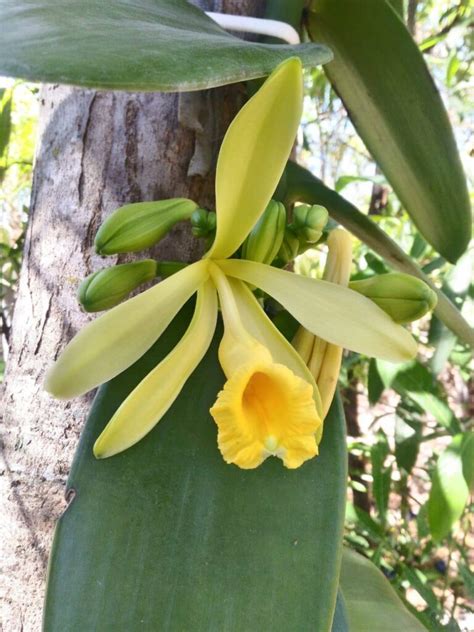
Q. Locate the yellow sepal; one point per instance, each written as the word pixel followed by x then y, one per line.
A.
pixel 150 400
pixel 114 341
pixel 337 314
pixel 253 155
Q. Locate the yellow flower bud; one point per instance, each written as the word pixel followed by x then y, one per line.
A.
pixel 108 287
pixel 138 226
pixel 402 296
pixel 264 240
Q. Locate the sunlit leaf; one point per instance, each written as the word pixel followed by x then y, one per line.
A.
pixel 165 45
pixel 450 489
pixel 381 76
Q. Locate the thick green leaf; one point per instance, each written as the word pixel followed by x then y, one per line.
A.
pixel 371 603
pixel 165 45
pixel 166 536
pixel 452 478
pixel 391 98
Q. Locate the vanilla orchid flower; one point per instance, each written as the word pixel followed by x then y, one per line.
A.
pixel 270 404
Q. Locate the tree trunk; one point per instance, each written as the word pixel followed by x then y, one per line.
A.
pixel 97 151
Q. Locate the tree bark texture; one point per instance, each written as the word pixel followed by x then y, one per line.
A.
pixel 97 151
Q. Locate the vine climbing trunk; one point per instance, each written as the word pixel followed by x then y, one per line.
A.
pixel 96 151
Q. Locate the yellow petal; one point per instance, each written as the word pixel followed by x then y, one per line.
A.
pixel 303 343
pixel 330 311
pixel 257 323
pixel 328 375
pixel 114 341
pixel 150 400
pixel 253 155
pixel 326 358
pixel 263 410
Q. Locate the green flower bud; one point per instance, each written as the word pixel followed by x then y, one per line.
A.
pixel 290 247
pixel 309 222
pixel 108 287
pixel 203 223
pixel 402 296
pixel 138 226
pixel 264 240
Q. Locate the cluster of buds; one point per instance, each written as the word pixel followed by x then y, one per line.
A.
pixel 304 231
pixel 131 228
pixel 272 238
pixel 203 223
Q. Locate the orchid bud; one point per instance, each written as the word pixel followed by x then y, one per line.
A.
pixel 203 223
pixel 403 297
pixel 108 287
pixel 138 226
pixel 309 222
pixel 264 240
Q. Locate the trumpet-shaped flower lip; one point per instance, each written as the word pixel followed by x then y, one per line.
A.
pixel 253 155
pixel 150 400
pixel 330 311
pixel 265 409
pixel 262 329
pixel 111 343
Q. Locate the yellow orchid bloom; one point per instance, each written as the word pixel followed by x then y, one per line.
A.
pixel 265 408
pixel 270 404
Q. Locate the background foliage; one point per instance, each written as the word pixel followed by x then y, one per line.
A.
pixel 410 451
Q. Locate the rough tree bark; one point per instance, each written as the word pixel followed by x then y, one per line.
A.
pixel 97 151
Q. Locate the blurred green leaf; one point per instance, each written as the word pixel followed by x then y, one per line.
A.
pixel 419 246
pixel 5 120
pixel 450 489
pixel 407 444
pixel 360 517
pixel 343 181
pixel 166 536
pixel 468 579
pixel 418 581
pixel 381 474
pixel 375 385
pixel 371 603
pixel 467 456
pixel 453 67
pixel 166 45
pixel 388 106
pixel 456 287
pixel 413 380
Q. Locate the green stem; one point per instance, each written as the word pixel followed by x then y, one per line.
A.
pixel 165 269
pixel 302 186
